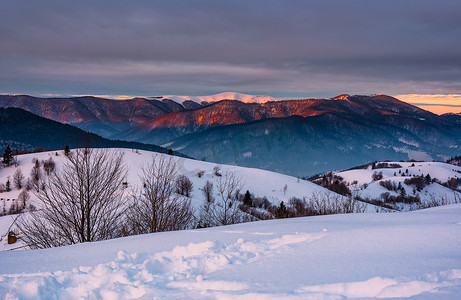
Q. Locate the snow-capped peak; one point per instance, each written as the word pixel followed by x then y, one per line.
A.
pixel 221 96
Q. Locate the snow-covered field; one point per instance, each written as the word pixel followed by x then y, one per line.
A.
pixel 412 254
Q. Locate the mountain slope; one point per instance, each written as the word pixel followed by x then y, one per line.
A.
pixel 165 128
pixel 109 117
pixel 318 134
pixel 23 130
pixel 305 137
pixel 102 116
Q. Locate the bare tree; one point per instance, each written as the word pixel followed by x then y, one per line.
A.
pixel 18 179
pixel 36 175
pixel 208 191
pixel 49 166
pixel 23 197
pixel 332 203
pixel 183 185
pixel 224 209
pixel 157 207
pixel 82 203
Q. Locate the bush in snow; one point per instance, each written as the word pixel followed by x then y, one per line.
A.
pixel 334 183
pixel 217 171
pixel 389 185
pixel 223 208
pixel 452 183
pixel 183 185
pixel 377 176
pixel 419 182
pixel 49 166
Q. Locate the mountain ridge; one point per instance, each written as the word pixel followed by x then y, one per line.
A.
pixel 23 130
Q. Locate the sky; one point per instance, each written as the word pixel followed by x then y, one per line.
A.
pixel 286 48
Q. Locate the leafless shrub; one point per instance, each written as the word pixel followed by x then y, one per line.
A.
pixel 439 200
pixel 384 165
pixel 82 203
pixel 334 183
pixel 418 182
pixel 434 201
pixel 377 176
pixel 49 166
pixel 207 191
pixel 157 207
pixel 217 171
pixel 452 183
pixel 255 213
pixel 329 203
pixel 301 207
pixel 389 185
pixel 183 185
pixel 224 209
pixel 261 202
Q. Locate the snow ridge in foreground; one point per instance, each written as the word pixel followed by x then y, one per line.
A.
pixel 413 254
pixel 131 276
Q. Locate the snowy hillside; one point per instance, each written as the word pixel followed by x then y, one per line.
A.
pixel 221 96
pixel 260 182
pixel 274 186
pixel 442 185
pixel 402 255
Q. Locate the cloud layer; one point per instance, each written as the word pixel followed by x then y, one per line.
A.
pixel 281 48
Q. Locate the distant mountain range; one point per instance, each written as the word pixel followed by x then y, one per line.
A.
pixel 23 130
pixel 298 137
pixel 102 116
pixel 218 97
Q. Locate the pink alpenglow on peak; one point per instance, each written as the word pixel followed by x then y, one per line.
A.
pixel 221 96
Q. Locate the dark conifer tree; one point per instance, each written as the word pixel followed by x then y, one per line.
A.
pixel 247 199
pixel 66 150
pixel 8 156
pixel 281 211
pixel 428 179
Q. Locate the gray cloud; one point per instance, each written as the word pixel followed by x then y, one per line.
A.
pixel 292 48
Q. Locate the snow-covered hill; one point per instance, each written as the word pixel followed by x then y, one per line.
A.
pixel 411 255
pixel 221 96
pixel 404 173
pixel 403 255
pixel 260 183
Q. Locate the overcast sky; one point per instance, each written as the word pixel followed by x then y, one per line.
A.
pixel 279 48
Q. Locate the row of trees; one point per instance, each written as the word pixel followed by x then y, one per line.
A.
pixel 86 201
